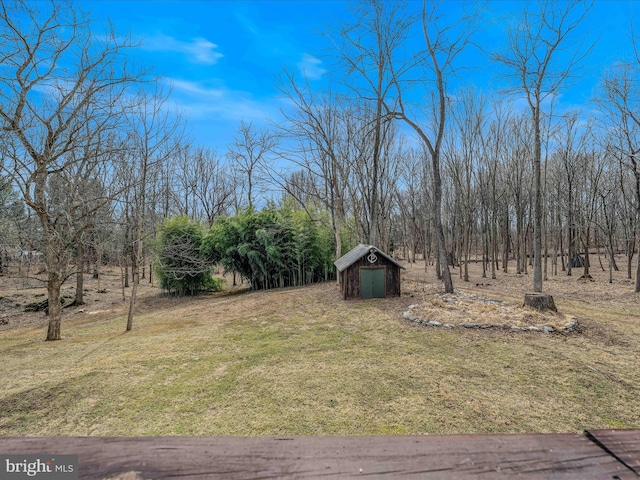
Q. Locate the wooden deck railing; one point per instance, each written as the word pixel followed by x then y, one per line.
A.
pixel 598 454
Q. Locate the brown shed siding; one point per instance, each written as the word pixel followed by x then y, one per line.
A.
pixel 350 279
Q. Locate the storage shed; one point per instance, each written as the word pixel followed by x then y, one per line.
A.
pixel 368 272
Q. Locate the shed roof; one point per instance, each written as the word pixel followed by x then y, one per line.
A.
pixel 357 253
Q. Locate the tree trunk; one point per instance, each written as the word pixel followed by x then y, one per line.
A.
pixel 338 238
pixel 537 226
pixel 80 277
pixel 336 222
pixel 54 285
pixel 426 253
pixel 486 241
pixel 519 220
pixel 126 273
pixel 505 246
pixel 467 249
pixel 570 250
pixel 135 271
pixel 132 300
pixel 612 248
pixel 53 255
pixel 546 257
pixel 494 250
pixel 437 214
pixel 611 266
pixel 587 262
pixel 373 238
pixel 122 277
pixel 525 252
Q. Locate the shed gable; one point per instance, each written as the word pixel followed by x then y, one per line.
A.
pixel 355 254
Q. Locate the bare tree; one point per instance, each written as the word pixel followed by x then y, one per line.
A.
pixel 609 208
pixel 444 43
pixel 319 130
pixel 620 102
pixel 496 154
pixel 372 219
pixel 204 186
pixel 366 49
pixel 12 216
pixel 248 150
pixel 465 153
pixel 155 136
pixel 58 78
pixel 213 185
pixel 594 169
pixel 518 176
pixel 412 205
pixel 539 66
pixel 582 169
pixel 79 201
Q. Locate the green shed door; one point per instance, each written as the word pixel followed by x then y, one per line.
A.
pixel 372 283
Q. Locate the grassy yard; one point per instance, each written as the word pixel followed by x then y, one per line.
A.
pixel 301 361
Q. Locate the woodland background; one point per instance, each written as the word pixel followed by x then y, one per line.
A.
pixel 94 159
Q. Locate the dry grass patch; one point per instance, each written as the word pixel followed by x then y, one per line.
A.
pixel 463 307
pixel 300 361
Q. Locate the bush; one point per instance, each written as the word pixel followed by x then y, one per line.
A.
pixel 272 248
pixel 180 265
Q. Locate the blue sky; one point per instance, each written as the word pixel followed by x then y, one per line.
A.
pixel 224 58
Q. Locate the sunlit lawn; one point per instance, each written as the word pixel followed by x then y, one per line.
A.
pixel 303 362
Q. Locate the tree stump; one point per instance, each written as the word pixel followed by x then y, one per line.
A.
pixel 539 301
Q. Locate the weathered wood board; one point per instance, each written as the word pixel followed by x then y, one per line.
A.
pixel 549 456
pixel 622 444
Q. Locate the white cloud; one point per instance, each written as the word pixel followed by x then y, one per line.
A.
pixel 200 101
pixel 310 67
pixel 196 89
pixel 197 50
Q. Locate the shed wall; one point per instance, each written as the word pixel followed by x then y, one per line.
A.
pixel 351 277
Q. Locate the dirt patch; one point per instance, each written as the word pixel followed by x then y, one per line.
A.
pixel 601 333
pixel 104 299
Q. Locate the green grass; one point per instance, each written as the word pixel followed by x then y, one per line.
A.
pixel 303 362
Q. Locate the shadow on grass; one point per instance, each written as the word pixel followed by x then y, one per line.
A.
pixel 35 405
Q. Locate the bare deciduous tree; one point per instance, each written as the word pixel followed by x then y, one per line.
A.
pixel 539 66
pixel 248 150
pixel 367 49
pixel 58 79
pixel 620 102
pixel 214 186
pixel 444 43
pixel 319 128
pixel 466 152
pixel 155 135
